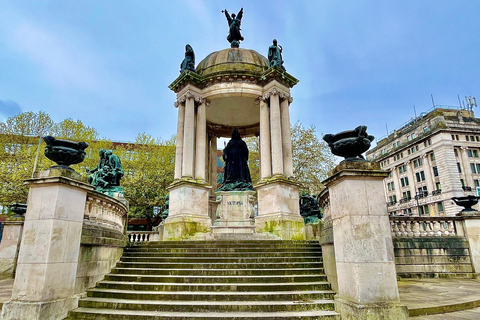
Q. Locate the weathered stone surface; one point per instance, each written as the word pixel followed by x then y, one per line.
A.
pixel 12 234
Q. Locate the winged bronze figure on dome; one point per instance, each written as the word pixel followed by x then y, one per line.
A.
pixel 234 22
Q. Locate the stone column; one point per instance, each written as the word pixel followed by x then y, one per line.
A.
pixel 276 134
pixel 49 251
pixel 265 150
pixel 367 280
pixel 188 138
pixel 12 234
pixel 179 142
pixel 213 162
pixel 286 138
pixel 201 149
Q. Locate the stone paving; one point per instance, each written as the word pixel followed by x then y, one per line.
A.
pixel 419 295
pixel 436 296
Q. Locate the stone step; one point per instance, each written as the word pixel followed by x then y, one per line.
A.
pixel 253 265
pixel 260 259
pixel 109 314
pixel 218 272
pixel 215 279
pixel 297 295
pixel 151 286
pixel 277 253
pixel 223 245
pixel 207 306
pixel 246 249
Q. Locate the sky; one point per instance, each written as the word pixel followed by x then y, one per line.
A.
pixel 109 63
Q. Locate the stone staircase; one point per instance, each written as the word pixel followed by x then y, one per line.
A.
pixel 261 279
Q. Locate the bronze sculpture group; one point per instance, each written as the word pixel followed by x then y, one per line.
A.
pixel 108 172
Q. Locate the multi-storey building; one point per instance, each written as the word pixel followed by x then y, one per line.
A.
pixel 430 159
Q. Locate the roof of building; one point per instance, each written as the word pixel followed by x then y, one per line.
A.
pixel 232 61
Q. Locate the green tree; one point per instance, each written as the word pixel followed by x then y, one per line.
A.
pixel 149 167
pixel 311 157
pixel 20 141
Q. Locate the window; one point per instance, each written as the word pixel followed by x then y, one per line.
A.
pixel 475 153
pixel 470 154
pixel 456 152
pixel 407 195
pixel 402 168
pixel 404 181
pixel 458 167
pixel 435 171
pixel 440 207
pixel 417 162
pixel 477 138
pixel 432 156
pixel 462 182
pixel 420 176
pixel 438 186
pixel 423 210
pixel 393 199
pixel 422 192
pixel 408 211
pixel 466 138
pixel 476 183
pixel 425 129
pixel 472 166
pixel 456 137
pixel 390 186
pixel 472 138
pixel 416 148
pixel 390 174
pixel 453 137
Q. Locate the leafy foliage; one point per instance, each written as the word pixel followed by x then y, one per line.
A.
pixel 312 159
pixel 149 169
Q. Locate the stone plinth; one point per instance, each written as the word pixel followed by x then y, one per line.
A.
pixel 367 283
pixel 12 234
pixel 48 257
pixel 279 210
pixel 188 210
pixel 235 212
pixel 471 229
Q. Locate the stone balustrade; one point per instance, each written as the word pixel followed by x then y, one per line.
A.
pixel 424 226
pixel 105 212
pixel 143 236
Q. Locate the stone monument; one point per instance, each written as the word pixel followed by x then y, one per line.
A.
pixel 236 196
pixel 233 88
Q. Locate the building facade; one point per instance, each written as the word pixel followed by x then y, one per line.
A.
pixel 430 160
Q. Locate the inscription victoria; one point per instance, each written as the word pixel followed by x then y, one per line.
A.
pixel 235 203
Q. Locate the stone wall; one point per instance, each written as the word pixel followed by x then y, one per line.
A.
pixel 433 257
pixel 103 240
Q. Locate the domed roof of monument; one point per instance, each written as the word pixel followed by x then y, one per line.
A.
pixel 234 61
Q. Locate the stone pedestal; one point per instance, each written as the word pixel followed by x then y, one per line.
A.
pixel 47 261
pixel 471 230
pixel 12 234
pixel 367 280
pixel 279 210
pixel 235 213
pixel 188 210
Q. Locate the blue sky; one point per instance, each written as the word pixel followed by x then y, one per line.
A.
pixel 109 63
